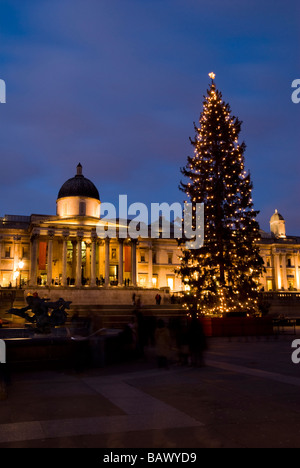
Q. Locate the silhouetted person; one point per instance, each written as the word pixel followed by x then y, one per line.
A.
pixel 158 299
pixel 196 341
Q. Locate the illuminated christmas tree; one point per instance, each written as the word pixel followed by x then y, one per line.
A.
pixel 221 276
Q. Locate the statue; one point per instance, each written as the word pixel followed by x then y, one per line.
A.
pixel 44 314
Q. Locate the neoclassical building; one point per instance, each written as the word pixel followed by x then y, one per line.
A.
pixel 281 257
pixel 64 251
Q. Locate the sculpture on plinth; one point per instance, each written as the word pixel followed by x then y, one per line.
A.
pixel 42 313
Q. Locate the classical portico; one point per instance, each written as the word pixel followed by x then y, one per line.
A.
pixel 79 258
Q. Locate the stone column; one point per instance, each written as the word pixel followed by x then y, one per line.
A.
pixel 0 253
pixel 88 261
pixel 79 261
pixel 50 259
pixel 17 252
pixel 120 272
pixel 107 241
pixel 284 274
pixel 100 255
pixel 33 259
pixel 296 260
pixel 64 259
pixel 93 262
pixel 133 262
pixel 150 267
pixel 277 274
pixel 74 248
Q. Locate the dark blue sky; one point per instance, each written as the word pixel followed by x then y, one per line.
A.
pixel 117 85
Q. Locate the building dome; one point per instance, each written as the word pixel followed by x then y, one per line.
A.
pixel 78 197
pixel 277 225
pixel 78 186
pixel 276 217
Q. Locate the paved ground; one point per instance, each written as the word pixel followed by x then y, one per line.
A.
pixel 247 395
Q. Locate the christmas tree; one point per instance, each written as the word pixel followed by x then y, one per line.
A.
pixel 223 275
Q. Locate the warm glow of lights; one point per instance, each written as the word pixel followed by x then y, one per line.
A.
pixel 222 277
pixel 16 275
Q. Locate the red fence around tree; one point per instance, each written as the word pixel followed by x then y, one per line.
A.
pixel 237 326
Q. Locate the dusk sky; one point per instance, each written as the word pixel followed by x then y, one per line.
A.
pixel 117 85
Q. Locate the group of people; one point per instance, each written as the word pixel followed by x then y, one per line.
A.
pixel 183 342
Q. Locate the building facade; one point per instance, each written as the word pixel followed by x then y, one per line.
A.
pixel 65 251
pixel 281 257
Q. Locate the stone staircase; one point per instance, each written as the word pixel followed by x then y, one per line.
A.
pixel 117 316
pixel 114 316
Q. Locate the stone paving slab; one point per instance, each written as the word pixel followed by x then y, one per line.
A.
pixel 247 395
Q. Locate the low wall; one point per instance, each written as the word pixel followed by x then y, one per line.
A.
pixel 54 352
pixel 289 310
pixel 282 302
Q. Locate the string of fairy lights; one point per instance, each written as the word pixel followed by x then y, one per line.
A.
pixel 222 276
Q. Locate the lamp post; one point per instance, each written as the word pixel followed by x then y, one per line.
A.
pixel 21 266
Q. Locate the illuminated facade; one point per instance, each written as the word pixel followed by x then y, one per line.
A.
pixel 281 257
pixel 64 251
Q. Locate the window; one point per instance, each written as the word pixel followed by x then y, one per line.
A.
pixel 25 251
pixel 82 208
pixel 113 254
pixel 143 258
pixel 154 258
pixel 143 280
pixel 170 258
pixel 170 283
pixel 154 281
pixel 7 251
